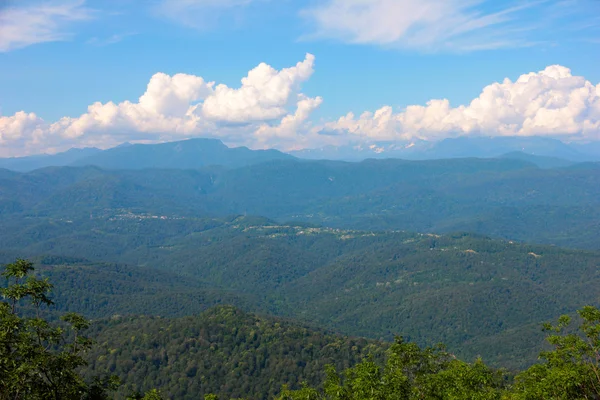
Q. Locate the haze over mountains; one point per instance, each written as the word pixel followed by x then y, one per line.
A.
pixel 188 154
pixel 429 249
pixel 509 197
pixel 197 153
pixel 483 147
pixel 299 200
pixel 365 248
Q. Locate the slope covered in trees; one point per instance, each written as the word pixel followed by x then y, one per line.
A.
pixel 225 352
pixel 222 350
pixel 478 295
pixel 505 198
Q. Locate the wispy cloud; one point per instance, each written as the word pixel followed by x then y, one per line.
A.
pixel 446 25
pixel 198 14
pixel 22 25
pixel 116 38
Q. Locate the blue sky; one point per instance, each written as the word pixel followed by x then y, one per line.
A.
pixel 398 60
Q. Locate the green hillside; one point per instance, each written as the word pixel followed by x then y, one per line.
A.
pixel 478 295
pixel 222 350
pixel 505 198
pixel 226 353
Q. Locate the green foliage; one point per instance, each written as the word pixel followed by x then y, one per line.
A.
pixel 409 373
pixel 153 394
pixel 226 353
pixel 36 362
pixel 223 351
pixel 571 370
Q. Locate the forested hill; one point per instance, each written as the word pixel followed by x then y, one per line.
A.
pixel 222 350
pixel 478 295
pixel 226 353
pixel 506 198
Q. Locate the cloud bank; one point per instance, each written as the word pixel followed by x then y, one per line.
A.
pixel 268 109
pixel 551 102
pixel 175 107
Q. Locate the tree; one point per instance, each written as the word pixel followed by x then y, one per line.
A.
pixel 40 360
pixel 571 370
pixel 150 395
pixel 409 373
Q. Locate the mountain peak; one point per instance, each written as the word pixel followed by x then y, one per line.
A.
pixel 184 154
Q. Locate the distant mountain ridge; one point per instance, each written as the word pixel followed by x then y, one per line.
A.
pixel 540 161
pixel 202 152
pixel 461 147
pixel 30 163
pixel 186 154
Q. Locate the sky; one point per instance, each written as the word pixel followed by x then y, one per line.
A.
pixel 293 74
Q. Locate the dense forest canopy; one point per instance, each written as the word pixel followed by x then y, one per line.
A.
pixel 225 353
pixel 478 295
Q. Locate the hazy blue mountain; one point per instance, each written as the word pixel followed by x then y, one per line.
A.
pixel 481 147
pixel 187 154
pixel 540 161
pixel 591 149
pixel 507 198
pixel 359 152
pixel 197 153
pixel 585 165
pixel 47 160
pixel 496 146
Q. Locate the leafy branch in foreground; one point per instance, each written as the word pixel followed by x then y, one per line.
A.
pixel 571 370
pixel 36 359
pixel 409 373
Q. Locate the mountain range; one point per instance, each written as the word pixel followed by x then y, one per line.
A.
pixel 482 147
pixel 198 153
pixel 187 154
pixel 505 197
pixel 145 239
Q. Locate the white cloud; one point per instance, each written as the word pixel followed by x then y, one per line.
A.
pixel 173 107
pixel 551 102
pixel 443 25
pixel 263 95
pixel 268 110
pixel 38 22
pixel 293 131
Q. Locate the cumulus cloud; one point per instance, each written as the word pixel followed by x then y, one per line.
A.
pixel 551 102
pixel 263 95
pixel 293 132
pixel 38 22
pixel 268 109
pixel 173 107
pixel 446 25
